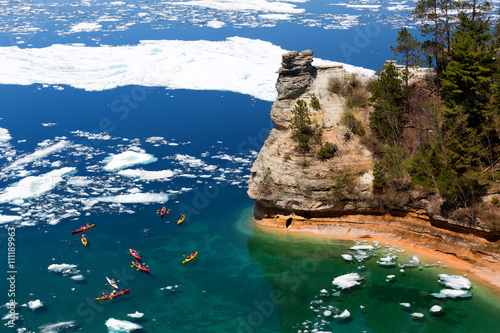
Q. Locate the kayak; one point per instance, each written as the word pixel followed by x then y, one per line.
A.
pixel 189 258
pixel 87 227
pixel 84 240
pixel 111 295
pixel 112 283
pixel 163 211
pixel 139 266
pixel 181 219
pixel 134 254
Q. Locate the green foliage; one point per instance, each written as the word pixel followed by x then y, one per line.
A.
pixel 495 201
pixel 326 151
pixel 408 49
pixel 468 77
pixel 387 119
pixel 379 182
pixel 301 126
pixel 351 123
pixel 314 102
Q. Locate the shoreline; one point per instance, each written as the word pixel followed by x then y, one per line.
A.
pixel 485 272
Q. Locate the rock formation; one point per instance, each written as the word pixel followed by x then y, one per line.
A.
pixel 302 192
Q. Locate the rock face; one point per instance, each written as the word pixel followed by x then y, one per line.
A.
pixel 302 192
pixel 284 180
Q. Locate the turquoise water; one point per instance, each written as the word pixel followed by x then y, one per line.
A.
pixel 244 280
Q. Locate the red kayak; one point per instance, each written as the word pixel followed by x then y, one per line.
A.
pixel 138 266
pixel 111 295
pixel 87 227
pixel 135 254
pixel 163 211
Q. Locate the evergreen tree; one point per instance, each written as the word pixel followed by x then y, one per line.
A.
pixel 409 49
pixel 436 24
pixel 468 77
pixel 387 119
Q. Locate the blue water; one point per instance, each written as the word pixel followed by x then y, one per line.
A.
pixel 244 279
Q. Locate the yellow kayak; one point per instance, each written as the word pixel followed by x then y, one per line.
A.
pixel 181 219
pixel 190 257
pixel 84 240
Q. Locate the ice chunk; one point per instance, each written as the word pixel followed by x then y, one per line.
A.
pixel 34 186
pixel 347 257
pixel 405 305
pixel 435 309
pixel 9 218
pixel 115 325
pixel 327 313
pixel 452 293
pixel 41 153
pixel 136 314
pixel 345 314
pixel 163 175
pixel 127 159
pixel 417 315
pixel 51 328
pixel 413 262
pixel 4 135
pixel 366 247
pixel 174 64
pixel 130 198
pixel 389 260
pixel 347 280
pixel 454 281
pixel 33 305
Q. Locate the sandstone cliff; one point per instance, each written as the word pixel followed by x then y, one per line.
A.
pixel 300 191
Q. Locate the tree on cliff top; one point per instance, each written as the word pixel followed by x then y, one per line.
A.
pixel 408 49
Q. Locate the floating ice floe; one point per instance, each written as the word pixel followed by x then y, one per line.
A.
pixel 413 262
pixel 63 268
pixel 4 135
pixel 81 181
pixel 344 315
pixel 245 5
pixel 136 314
pixel 452 293
pixel 347 280
pixel 121 326
pixel 435 309
pixel 34 186
pixel 127 159
pixel 52 328
pixel 38 154
pixel 365 247
pixel 10 218
pixel 174 64
pixel 33 305
pixel 454 281
pixel 162 175
pixel 130 198
pixel 417 315
pixel 347 257
pixel 405 305
pixel 389 260
pixel 86 27
pixel 215 24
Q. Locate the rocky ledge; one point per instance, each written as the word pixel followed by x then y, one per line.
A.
pixel 300 191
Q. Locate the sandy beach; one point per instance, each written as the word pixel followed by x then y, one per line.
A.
pixel 480 267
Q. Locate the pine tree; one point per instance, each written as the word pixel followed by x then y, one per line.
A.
pixel 409 49
pixel 387 119
pixel 468 77
pixel 436 24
